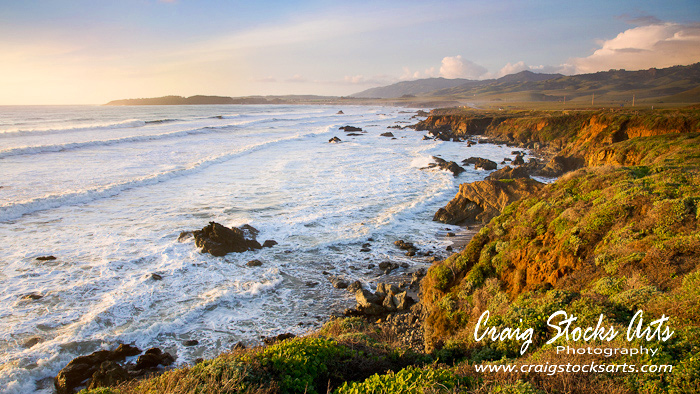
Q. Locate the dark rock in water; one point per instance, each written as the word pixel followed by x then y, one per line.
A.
pixel 109 374
pixel 46 258
pixel 479 162
pixel 516 153
pixel 425 137
pixel 370 266
pixel 334 140
pixel 254 263
pixel 350 128
pixel 387 134
pixel 155 276
pixel 339 283
pixel 184 236
pixel 220 240
pixel 311 284
pixel 280 337
pixel 191 342
pixel 404 245
pixel 82 368
pixel 30 342
pixel 340 112
pixel 365 250
pixel 355 286
pixel 388 266
pixel 448 248
pixel 450 234
pixel 448 166
pixel 123 351
pixel 32 296
pixel 411 253
pixel 353 134
pixel 153 358
pixel 404 265
pixel 78 371
pixel 518 161
pixel 249 231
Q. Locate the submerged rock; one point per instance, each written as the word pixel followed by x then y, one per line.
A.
pixel 387 134
pixel 334 140
pixel 350 128
pixel 219 240
pixel 269 243
pixel 254 263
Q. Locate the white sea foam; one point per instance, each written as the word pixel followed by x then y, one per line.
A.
pixel 110 201
pixel 129 123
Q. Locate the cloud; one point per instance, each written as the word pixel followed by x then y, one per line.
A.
pixel 657 45
pixel 451 67
pixel 297 79
pixel 513 68
pixel 456 67
pixel 266 79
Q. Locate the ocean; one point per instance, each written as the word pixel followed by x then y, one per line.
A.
pixel 108 190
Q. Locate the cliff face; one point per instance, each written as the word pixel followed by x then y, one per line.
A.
pixel 589 137
pixel 479 202
pixel 620 234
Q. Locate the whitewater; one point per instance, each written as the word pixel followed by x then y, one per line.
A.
pixel 108 190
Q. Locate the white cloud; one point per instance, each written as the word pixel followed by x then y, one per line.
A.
pixel 297 79
pixel 513 68
pixel 642 47
pixel 456 67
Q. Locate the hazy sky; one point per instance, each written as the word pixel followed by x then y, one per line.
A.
pixel 94 51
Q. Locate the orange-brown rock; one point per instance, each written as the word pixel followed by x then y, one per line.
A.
pixel 481 201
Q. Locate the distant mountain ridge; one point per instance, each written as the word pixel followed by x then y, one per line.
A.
pixel 673 84
pixel 412 88
pixel 429 85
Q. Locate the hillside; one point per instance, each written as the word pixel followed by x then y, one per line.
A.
pixel 414 88
pixel 679 84
pixel 600 243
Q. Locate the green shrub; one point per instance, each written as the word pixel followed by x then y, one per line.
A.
pixel 410 380
pixel 518 387
pixel 302 364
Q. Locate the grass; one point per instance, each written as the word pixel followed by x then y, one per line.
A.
pixel 608 240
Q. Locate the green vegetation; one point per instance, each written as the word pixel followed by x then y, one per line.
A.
pixel 619 236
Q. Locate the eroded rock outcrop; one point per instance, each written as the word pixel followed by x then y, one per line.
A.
pixel 481 201
pixel 388 298
pixel 95 369
pixel 220 240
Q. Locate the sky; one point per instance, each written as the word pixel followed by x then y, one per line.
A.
pixel 94 51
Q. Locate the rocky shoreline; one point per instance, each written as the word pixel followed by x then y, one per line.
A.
pixel 394 308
